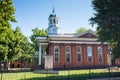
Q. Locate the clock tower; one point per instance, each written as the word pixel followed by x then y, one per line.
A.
pixel 53 27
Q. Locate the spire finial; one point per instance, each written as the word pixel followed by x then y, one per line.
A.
pixel 53 11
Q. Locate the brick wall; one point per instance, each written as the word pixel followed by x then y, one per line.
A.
pixel 73 62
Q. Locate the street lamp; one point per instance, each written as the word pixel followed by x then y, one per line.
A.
pixel 110 59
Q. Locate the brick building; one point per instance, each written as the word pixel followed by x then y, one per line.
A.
pixel 71 50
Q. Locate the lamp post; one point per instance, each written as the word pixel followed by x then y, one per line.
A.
pixel 110 60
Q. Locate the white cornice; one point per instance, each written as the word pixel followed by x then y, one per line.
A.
pixel 76 42
pixel 74 39
pixel 41 38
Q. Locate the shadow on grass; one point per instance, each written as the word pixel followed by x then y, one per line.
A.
pixel 70 77
pixel 77 77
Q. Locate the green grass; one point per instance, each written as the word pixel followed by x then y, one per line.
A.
pixel 62 75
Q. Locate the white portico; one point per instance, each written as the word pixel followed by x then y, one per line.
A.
pixel 43 43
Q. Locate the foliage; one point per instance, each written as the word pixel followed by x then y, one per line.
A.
pixel 23 48
pixel 6 33
pixel 37 33
pixel 80 30
pixel 13 44
pixel 107 18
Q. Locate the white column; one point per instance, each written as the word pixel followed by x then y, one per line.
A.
pixel 40 54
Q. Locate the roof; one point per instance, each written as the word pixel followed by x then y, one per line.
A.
pixel 52 15
pixel 88 31
pixel 70 37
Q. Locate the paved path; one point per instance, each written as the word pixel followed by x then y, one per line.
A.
pixel 106 79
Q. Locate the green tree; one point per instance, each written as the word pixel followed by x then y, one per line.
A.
pixel 37 33
pixel 107 19
pixel 80 30
pixel 6 33
pixel 22 47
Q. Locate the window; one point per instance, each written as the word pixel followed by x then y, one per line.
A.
pixel 89 53
pixel 54 20
pixel 100 59
pixel 50 20
pixel 68 52
pixel 56 54
pixel 78 53
pixel 89 35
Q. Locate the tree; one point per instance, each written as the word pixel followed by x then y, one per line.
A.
pixel 37 33
pixel 80 30
pixel 6 33
pixel 107 18
pixel 21 46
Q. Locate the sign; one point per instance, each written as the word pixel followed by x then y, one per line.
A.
pixel 48 62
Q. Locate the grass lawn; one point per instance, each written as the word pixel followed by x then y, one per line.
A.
pixel 62 75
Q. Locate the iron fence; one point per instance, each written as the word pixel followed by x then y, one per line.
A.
pixel 67 74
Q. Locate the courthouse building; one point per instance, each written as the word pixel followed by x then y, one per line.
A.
pixel 70 50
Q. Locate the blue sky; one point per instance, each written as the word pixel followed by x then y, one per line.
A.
pixel 72 14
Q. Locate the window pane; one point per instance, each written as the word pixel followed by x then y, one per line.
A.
pixel 78 49
pixel 89 58
pixel 67 49
pixel 68 54
pixel 100 58
pixel 79 57
pixel 89 51
pixel 100 54
pixel 56 57
pixel 56 53
pixel 99 50
pixel 68 57
pixel 56 49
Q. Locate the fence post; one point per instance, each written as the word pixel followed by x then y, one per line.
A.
pixel 2 69
pixel 89 73
pixel 109 71
pixel 1 75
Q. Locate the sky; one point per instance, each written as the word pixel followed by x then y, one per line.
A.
pixel 73 14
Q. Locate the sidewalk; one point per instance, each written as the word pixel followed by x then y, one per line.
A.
pixel 106 79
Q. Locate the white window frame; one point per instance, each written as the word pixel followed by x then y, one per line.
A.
pixel 77 53
pixel 57 54
pixel 100 53
pixel 89 54
pixel 69 52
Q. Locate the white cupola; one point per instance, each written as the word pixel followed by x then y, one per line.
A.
pixel 53 27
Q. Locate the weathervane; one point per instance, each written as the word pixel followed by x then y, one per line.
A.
pixel 53 10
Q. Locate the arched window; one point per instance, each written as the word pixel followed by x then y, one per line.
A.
pixel 78 54
pixel 68 54
pixel 89 53
pixel 50 21
pixel 100 57
pixel 56 54
pixel 54 21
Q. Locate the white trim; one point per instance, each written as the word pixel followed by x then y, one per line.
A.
pixel 43 43
pixel 40 59
pixel 43 37
pixel 76 42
